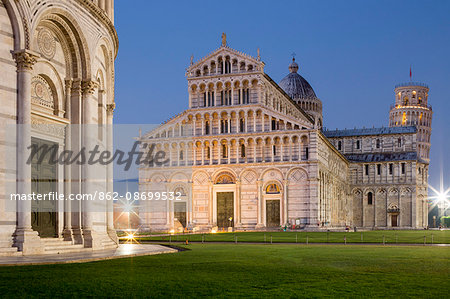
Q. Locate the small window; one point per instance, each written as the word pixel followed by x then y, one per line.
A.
pixel 242 151
pixel 207 128
pixel 274 124
pixel 370 198
pixel 379 169
pixel 339 145
pixel 367 169
pixel 208 152
pixel 378 143
pixel 399 142
pixel 224 151
pixel 181 155
pixel 358 144
pixel 391 168
pixel 403 168
pixel 306 153
pixel 242 125
pixel 274 147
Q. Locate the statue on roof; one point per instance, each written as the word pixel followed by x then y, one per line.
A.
pixel 192 59
pixel 224 39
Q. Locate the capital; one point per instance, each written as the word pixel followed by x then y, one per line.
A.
pixel 25 59
pixel 110 108
pixel 89 86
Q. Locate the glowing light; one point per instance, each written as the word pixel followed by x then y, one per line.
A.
pixel 213 231
pixel 172 231
pixel 440 198
pixel 130 238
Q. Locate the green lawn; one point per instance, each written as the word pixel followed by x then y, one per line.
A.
pixel 228 270
pixel 390 237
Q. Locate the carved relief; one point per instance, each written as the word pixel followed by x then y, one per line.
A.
pixel 41 93
pixel 46 43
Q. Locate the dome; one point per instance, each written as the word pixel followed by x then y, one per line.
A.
pixel 295 85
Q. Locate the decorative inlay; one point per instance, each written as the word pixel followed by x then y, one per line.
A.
pixel 41 94
pixel 47 43
pixel 297 176
pixel 249 177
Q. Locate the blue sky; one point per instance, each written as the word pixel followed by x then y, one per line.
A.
pixel 351 52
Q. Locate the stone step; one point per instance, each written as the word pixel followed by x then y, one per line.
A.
pixel 9 251
pixel 65 249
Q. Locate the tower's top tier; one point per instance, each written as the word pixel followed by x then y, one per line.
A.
pixel 411 94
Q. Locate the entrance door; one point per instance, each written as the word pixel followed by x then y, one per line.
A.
pixel 394 219
pixel 225 209
pixel 43 181
pixel 272 213
pixel 179 212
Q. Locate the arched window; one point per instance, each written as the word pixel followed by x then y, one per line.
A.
pixel 242 125
pixel 242 150
pixel 358 144
pixel 207 128
pixel 273 189
pixel 405 101
pixel 181 155
pixel 399 142
pixel 224 126
pixel 378 143
pixel 227 67
pixel 225 178
pixel 208 152
pixel 369 198
pixel 224 151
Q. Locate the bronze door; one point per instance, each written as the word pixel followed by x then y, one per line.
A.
pixel 225 209
pixel 179 212
pixel 394 219
pixel 43 181
pixel 272 213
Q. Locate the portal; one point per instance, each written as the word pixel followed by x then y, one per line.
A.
pixel 272 213
pixel 225 209
pixel 43 181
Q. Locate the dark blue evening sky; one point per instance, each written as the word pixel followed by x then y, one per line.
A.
pixel 351 52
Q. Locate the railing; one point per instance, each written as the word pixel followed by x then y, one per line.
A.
pixel 406 84
pixel 411 106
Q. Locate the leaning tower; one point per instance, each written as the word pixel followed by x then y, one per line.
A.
pixel 411 109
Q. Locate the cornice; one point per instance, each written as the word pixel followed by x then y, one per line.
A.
pixel 101 15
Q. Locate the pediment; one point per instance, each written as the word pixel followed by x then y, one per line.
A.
pixel 225 52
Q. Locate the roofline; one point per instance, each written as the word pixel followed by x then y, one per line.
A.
pixel 289 98
pixel 325 138
pixel 324 132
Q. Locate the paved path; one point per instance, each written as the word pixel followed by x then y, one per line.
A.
pixel 124 250
pixel 292 243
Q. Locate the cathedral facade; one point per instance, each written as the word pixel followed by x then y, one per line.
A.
pixel 251 154
pixel 57 63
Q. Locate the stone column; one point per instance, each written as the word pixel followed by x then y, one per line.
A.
pixel 259 223
pixel 88 171
pixel 238 204
pixel 67 232
pixel 285 201
pixel 75 169
pixel 109 172
pixel 26 239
